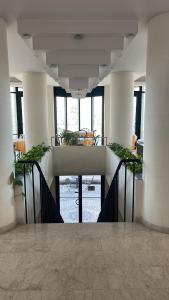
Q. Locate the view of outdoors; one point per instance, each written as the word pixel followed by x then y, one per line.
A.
pixel 72 114
pixel 14 115
pixel 14 92
pixel 69 198
pixel 75 114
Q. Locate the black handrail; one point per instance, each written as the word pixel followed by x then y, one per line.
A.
pixel 110 208
pixel 48 207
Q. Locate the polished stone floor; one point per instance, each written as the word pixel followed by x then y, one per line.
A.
pixel 84 262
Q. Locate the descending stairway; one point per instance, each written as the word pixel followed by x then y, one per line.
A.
pixel 49 210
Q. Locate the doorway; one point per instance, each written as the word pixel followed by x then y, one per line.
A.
pixel 80 197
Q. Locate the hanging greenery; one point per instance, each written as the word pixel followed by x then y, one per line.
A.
pixel 36 154
pixel 125 153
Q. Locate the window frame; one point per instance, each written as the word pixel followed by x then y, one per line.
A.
pixel 60 92
pixel 139 96
pixel 18 98
pixel 80 194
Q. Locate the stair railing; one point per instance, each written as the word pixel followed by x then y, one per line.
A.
pixel 49 211
pixel 110 208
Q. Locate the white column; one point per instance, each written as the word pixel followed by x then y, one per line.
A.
pixel 35 108
pixel 7 207
pixel 156 132
pixel 121 107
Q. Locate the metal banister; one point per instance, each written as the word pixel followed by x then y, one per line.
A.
pixel 48 207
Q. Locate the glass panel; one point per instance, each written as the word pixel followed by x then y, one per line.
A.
pixel 72 114
pixel 20 89
pixel 85 113
pixel 23 115
pixel 12 89
pixel 91 209
pixel 144 88
pixel 91 198
pixel 136 88
pixel 61 122
pixel 69 198
pixel 142 115
pixel 97 116
pixel 14 116
pixel 134 115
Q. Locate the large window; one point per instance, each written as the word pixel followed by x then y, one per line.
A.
pixel 139 111
pixel 76 114
pixel 72 114
pixel 17 115
pixel 97 118
pixel 85 113
pixel 60 112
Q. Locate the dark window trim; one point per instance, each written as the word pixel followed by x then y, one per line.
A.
pixel 138 95
pixel 60 92
pixel 18 97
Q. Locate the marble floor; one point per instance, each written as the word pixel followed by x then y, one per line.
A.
pixel 84 262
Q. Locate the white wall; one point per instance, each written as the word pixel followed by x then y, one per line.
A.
pixel 77 160
pixel 7 206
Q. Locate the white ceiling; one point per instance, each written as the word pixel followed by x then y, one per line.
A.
pixel 23 58
pixel 83 9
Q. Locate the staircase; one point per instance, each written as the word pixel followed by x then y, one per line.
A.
pixel 49 211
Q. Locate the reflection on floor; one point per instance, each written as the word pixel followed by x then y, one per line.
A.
pixel 84 262
pixel 69 198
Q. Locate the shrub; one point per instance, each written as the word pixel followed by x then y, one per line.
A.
pixel 36 153
pixel 70 137
pixel 125 153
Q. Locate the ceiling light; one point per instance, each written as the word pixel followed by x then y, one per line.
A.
pixel 53 65
pixel 26 35
pixel 103 65
pixel 130 35
pixel 78 36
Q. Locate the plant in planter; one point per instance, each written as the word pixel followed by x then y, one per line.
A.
pixel 125 153
pixel 70 138
pixel 36 153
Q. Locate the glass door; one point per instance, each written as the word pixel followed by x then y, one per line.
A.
pixel 91 198
pixel 69 198
pixel 79 198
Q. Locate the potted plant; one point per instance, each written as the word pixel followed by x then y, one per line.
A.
pixel 70 138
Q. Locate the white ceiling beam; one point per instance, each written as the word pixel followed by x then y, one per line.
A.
pixel 78 57
pixel 40 26
pixel 78 83
pixel 69 43
pixel 74 71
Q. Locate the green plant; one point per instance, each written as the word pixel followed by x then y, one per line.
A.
pixel 125 153
pixel 36 153
pixel 70 137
